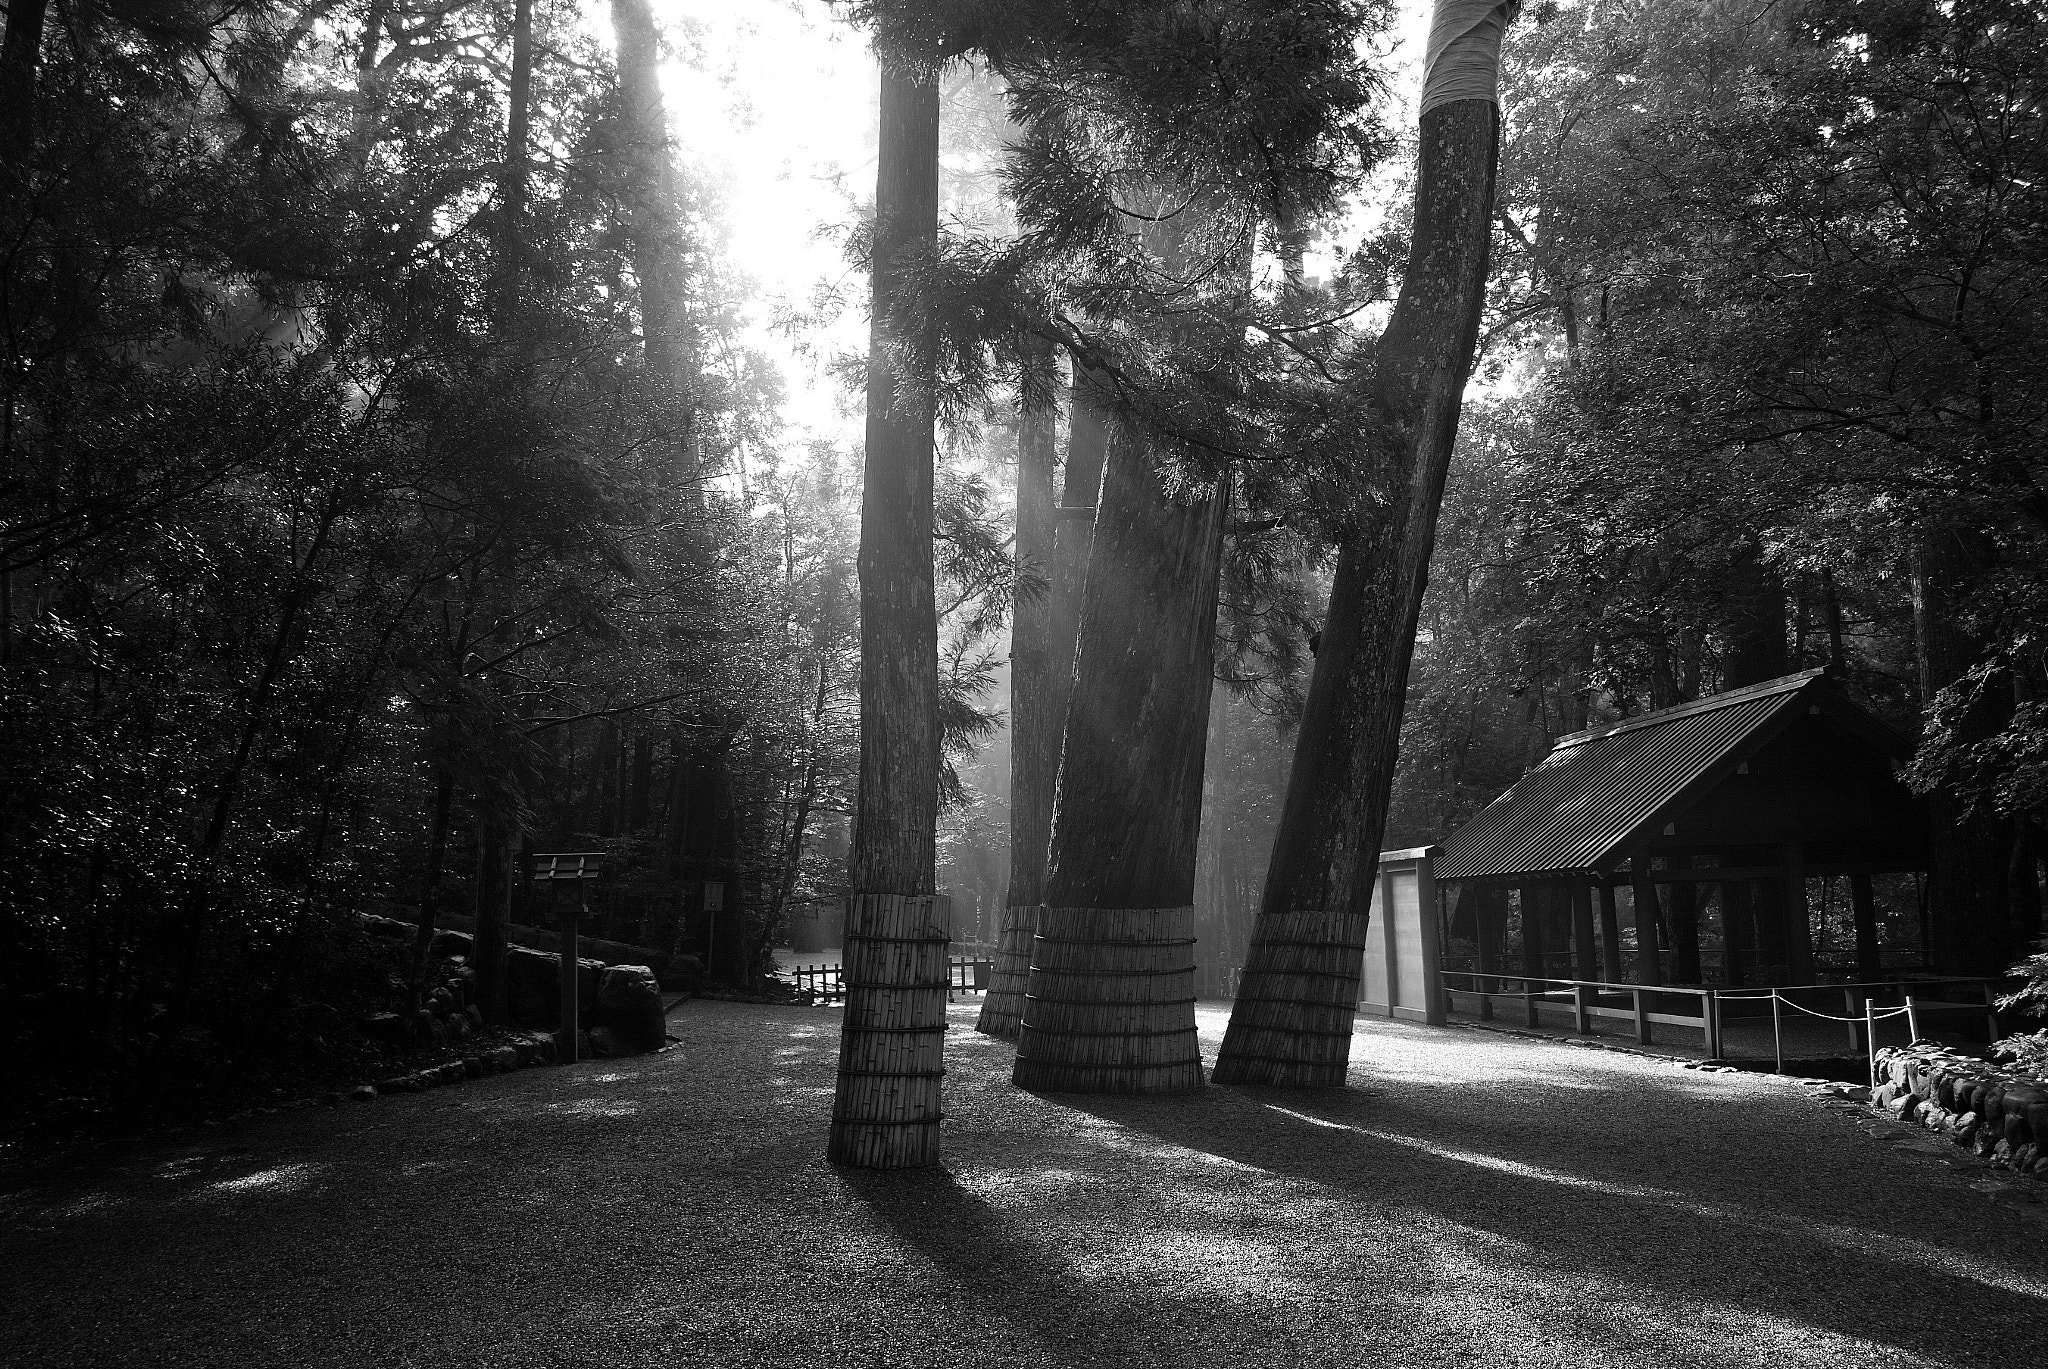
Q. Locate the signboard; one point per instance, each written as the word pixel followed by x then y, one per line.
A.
pixel 714 896
pixel 569 865
pixel 573 867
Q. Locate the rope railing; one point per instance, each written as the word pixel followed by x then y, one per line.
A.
pixel 1584 997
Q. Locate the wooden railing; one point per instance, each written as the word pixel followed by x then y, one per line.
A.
pixel 1588 999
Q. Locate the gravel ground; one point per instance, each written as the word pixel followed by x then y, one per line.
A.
pixel 1474 1198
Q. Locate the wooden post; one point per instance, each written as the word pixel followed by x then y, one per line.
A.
pixel 1685 927
pixel 1798 918
pixel 1990 1011
pixel 1582 1021
pixel 1869 962
pixel 1649 940
pixel 1610 934
pixel 1710 1021
pixel 1642 1017
pixel 1912 1019
pixel 1585 955
pixel 1850 1008
pixel 1491 919
pixel 1778 1029
pixel 570 1012
pixel 1738 930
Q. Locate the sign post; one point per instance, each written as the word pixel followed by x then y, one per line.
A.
pixel 578 866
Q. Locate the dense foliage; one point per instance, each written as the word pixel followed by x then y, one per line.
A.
pixel 1767 340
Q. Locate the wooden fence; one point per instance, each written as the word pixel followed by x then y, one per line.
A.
pixel 962 977
pixel 1647 1006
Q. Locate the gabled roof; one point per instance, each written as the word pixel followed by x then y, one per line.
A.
pixel 1600 790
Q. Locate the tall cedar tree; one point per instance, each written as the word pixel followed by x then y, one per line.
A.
pixel 1291 1023
pixel 1037 659
pixel 885 1111
pixel 1073 534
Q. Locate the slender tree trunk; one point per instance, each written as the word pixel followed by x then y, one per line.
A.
pixel 643 780
pixel 1755 623
pixel 1968 884
pixel 1036 657
pixel 1111 1007
pixel 1291 1024
pixel 1831 612
pixel 1863 903
pixel 20 66
pixel 430 878
pixel 513 178
pixel 885 1113
pixel 493 908
pixel 654 222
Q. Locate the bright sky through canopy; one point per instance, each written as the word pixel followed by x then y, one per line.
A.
pixel 775 100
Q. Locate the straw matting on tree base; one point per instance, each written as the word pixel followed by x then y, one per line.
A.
pixel 1296 1000
pixel 1003 1008
pixel 1111 1003
pixel 887 1107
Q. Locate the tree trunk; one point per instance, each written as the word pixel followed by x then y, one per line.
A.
pixel 20 65
pixel 1863 903
pixel 430 878
pixel 885 1114
pixel 654 224
pixel 1754 648
pixel 513 177
pixel 1291 1024
pixel 1036 659
pixel 493 906
pixel 1111 1007
pixel 1685 926
pixel 1968 885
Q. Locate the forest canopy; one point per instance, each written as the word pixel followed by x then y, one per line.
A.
pixel 400 473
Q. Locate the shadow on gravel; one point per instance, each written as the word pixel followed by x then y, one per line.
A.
pixel 1019 1287
pixel 1668 1246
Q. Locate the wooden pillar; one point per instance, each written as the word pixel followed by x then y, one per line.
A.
pixel 1649 936
pixel 1768 921
pixel 1531 898
pixel 1610 934
pixel 1869 964
pixel 1738 931
pixel 1489 926
pixel 1798 919
pixel 1685 926
pixel 1585 955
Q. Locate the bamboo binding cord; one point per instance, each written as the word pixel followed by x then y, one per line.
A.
pixel 1003 1007
pixel 1291 1027
pixel 886 1109
pixel 1111 1005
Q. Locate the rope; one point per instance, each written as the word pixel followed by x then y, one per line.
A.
pixel 1875 1013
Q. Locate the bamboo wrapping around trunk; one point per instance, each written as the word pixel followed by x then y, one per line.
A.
pixel 1111 1003
pixel 1296 1002
pixel 887 1107
pixel 1003 1007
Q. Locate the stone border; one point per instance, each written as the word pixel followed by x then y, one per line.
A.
pixel 1999 1114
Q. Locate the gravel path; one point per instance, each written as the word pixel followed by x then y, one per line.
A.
pixel 1473 1199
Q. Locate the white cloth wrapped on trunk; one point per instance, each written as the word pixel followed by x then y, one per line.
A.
pixel 1462 61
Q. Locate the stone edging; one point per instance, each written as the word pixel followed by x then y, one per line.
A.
pixel 2000 1115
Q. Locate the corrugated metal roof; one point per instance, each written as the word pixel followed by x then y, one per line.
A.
pixel 1597 788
